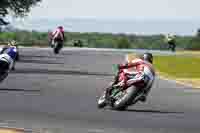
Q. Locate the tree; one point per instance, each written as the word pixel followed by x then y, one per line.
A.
pixel 123 42
pixel 19 8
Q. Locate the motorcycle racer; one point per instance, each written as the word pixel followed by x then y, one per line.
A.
pixel 139 71
pixel 58 35
pixel 171 41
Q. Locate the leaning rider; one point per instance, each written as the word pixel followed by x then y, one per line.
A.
pixel 57 35
pixel 170 39
pixel 138 71
pixel 8 49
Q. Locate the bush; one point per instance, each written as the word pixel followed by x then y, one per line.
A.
pixel 194 44
pixel 102 40
pixel 123 42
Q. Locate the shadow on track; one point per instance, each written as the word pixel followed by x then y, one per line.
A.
pixel 38 56
pixel 153 111
pixel 89 54
pixel 59 72
pixel 17 90
pixel 38 61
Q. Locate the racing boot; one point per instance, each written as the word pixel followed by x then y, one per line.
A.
pixel 110 100
pixel 109 89
pixel 107 95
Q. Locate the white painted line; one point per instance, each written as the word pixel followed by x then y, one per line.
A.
pixel 191 91
pixel 96 131
pixel 22 130
pixel 177 82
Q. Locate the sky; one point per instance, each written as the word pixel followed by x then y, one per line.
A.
pixel 118 9
pixel 152 16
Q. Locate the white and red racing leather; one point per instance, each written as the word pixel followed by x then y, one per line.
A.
pixel 58 33
pixel 140 69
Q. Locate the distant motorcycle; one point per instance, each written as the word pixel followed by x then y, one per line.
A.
pixel 121 98
pixel 57 46
pixel 7 60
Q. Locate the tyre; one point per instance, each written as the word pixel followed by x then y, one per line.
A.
pixel 101 103
pixel 173 48
pixel 126 99
pixel 57 48
pixel 4 70
pixel 17 56
pixel 3 76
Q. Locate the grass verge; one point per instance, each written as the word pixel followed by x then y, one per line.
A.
pixel 193 53
pixel 8 130
pixel 184 69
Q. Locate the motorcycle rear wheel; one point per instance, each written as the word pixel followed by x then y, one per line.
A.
pixel 57 47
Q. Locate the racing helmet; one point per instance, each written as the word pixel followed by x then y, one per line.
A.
pixel 60 27
pixel 12 43
pixel 147 57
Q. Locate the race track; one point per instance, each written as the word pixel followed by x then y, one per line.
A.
pixel 58 93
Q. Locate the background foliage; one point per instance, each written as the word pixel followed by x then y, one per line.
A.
pixel 103 40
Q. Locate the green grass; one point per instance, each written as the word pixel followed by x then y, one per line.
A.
pixel 178 66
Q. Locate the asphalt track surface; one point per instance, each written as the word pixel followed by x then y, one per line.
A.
pixel 57 93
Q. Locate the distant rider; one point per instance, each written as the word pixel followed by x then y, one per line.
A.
pixel 12 43
pixel 57 35
pixel 170 39
pixel 139 71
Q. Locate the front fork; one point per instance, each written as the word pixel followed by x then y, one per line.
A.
pixel 110 93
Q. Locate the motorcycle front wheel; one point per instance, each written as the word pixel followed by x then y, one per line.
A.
pixel 56 48
pixel 126 98
pixel 17 56
pixel 101 103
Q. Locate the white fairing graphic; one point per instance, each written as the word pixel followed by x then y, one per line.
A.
pixel 148 72
pixel 6 58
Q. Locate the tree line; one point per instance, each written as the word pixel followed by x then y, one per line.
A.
pixel 103 40
pixel 18 8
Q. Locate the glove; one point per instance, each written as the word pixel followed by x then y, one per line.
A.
pixel 120 66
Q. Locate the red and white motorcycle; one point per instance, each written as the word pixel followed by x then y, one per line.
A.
pixel 122 98
pixel 56 44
